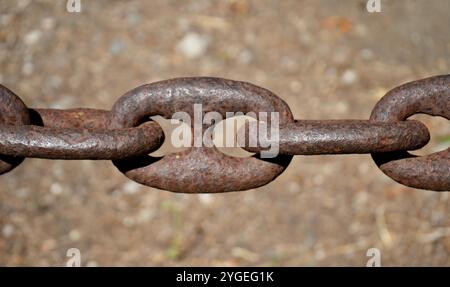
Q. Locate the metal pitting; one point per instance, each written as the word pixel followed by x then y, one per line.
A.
pixel 126 135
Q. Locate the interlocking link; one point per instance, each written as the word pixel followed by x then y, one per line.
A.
pixel 308 137
pixel 76 143
pixel 13 112
pixel 429 96
pixel 126 135
pixel 199 169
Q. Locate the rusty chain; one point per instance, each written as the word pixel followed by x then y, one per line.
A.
pixel 126 135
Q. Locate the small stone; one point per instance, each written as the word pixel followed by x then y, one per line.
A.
pixel 27 68
pixel 74 235
pixel 349 77
pixel 22 192
pixel 240 6
pixel 63 102
pixel 318 179
pixel 32 37
pixel 128 221
pixel 245 254
pixel 363 168
pixel 55 81
pixel 131 187
pixel 48 23
pixel 5 19
pixel 92 263
pixel 145 215
pixel 295 86
pixel 7 230
pixel 48 245
pixel 287 63
pixel 246 56
pixel 367 54
pixel 193 45
pixel 21 4
pixel 56 188
pixel 320 255
pixel 360 198
pixel 205 199
pixel 341 107
pixel 117 47
pixel 293 187
pixel 134 18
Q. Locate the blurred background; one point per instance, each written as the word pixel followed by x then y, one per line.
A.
pixel 326 59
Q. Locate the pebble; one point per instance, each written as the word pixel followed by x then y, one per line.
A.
pixel 349 77
pixel 48 23
pixel 128 221
pixel 5 19
pixel 363 168
pixel 117 46
pixel 367 54
pixel 341 107
pixel 295 86
pixel 145 215
pixel 318 179
pixel 134 18
pixel 320 255
pixel 21 4
pixel 32 37
pixel 131 187
pixel 246 57
pixel 56 188
pixel 7 230
pixel 193 45
pixel 287 63
pixel 74 235
pixel 27 68
pixel 293 187
pixel 55 81
pixel 92 264
pixel 205 199
pixel 245 254
pixel 64 102
pixel 48 245
pixel 360 198
pixel 22 192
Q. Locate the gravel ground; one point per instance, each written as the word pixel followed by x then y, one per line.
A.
pixel 326 59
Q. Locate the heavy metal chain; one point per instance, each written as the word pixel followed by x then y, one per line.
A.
pixel 126 136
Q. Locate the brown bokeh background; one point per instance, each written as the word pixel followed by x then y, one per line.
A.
pixel 326 59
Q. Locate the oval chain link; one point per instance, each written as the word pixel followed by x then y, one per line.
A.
pixel 126 135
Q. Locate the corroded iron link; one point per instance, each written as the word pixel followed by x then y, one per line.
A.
pixel 77 143
pixel 429 96
pixel 126 135
pixel 307 137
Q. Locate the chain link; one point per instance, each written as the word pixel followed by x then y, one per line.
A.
pixel 126 135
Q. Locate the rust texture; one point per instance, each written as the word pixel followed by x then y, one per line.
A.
pixel 126 135
pixel 77 143
pixel 199 169
pixel 428 96
pixel 308 137
pixel 13 112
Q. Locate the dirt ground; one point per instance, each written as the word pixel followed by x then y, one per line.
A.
pixel 326 59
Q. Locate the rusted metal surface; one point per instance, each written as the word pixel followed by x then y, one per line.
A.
pixel 76 134
pixel 72 118
pixel 13 112
pixel 429 96
pixel 126 135
pixel 77 143
pixel 308 137
pixel 199 169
